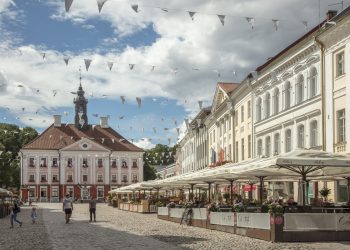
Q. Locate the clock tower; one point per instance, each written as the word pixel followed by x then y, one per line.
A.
pixel 81 119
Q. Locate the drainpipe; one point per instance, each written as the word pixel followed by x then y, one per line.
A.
pixel 59 175
pixel 322 50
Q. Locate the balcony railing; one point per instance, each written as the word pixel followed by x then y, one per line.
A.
pixel 340 147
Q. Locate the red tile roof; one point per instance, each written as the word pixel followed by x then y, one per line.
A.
pixel 54 138
pixel 228 87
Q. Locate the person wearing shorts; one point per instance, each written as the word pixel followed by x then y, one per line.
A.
pixel 67 207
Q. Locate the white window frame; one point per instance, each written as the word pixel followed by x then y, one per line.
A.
pixel 288 140
pixel 268 146
pixel 313 82
pixel 301 136
pixel 340 64
pixel 313 134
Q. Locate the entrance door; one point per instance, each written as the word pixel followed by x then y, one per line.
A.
pixel 85 194
pixel 43 194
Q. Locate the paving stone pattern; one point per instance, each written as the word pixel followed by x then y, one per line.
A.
pixel 117 229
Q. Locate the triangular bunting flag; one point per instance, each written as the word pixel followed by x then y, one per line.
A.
pixel 251 21
pixel 138 99
pixel 154 130
pixel 123 99
pixel 135 7
pixel 66 60
pixel 178 131
pixel 131 66
pixel 222 19
pixel 67 4
pixel 110 65
pixel 276 23
pixel 305 24
pixel 200 103
pixel 191 13
pixel 87 63
pixel 100 4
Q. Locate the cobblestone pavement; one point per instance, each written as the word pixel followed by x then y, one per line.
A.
pixel 117 229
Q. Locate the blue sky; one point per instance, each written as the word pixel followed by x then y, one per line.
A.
pixel 170 41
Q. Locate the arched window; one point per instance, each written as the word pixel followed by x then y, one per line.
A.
pixel 258 109
pixel 288 140
pixel 259 147
pixel 287 95
pixel 277 143
pixel 300 89
pixel 267 105
pixel 268 146
pixel 313 82
pixel 301 136
pixel 276 101
pixel 313 134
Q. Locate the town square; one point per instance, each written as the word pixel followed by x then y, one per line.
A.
pixel 174 124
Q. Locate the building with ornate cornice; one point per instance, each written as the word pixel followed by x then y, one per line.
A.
pixel 80 159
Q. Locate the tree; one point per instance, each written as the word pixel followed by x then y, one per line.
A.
pixel 12 139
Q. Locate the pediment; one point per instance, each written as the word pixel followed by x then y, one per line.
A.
pixel 85 144
pixel 219 98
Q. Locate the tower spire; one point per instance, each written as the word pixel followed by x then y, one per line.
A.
pixel 81 119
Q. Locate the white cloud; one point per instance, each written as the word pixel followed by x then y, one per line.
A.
pixel 184 44
pixel 144 144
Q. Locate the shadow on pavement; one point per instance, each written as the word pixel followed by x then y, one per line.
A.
pixel 177 240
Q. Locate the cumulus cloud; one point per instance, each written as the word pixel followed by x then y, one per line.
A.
pixel 188 55
pixel 144 144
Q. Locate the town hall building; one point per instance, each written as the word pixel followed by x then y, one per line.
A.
pixel 80 159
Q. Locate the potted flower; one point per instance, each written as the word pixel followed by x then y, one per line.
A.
pixel 212 207
pixel 324 192
pixel 238 207
pixel 275 208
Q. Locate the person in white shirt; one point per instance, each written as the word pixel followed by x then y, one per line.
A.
pixel 67 207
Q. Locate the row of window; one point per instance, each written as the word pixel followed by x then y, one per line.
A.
pixel 242 113
pixel 243 149
pixel 43 178
pixel 54 162
pixel 264 105
pixel 288 140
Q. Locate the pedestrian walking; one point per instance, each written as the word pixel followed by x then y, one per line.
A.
pixel 67 207
pixel 15 209
pixel 33 215
pixel 92 208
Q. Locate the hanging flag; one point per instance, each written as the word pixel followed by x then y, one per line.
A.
pixel 138 99
pixel 200 103
pixel 54 92
pixel 276 23
pixel 169 140
pixel 175 122
pixel 234 73
pixel 65 113
pixel 131 66
pixel 143 130
pixel 87 63
pixel 113 140
pixel 154 130
pixel 43 54
pixel 152 68
pixel 251 21
pixel 103 140
pixel 104 96
pixel 164 9
pixel 20 86
pixel 95 115
pixel 23 109
pixel 110 65
pixel 213 156
pixel 166 129
pixel 66 59
pixel 67 4
pixel 100 4
pixel 178 131
pixel 222 19
pixel 121 117
pixel 93 127
pixel 222 155
pixel 191 13
pixel 135 7
pixel 175 70
pixel 123 99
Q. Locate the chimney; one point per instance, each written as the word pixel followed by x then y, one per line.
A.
pixel 330 14
pixel 57 121
pixel 104 122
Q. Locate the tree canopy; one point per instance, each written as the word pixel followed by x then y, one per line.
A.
pixel 12 138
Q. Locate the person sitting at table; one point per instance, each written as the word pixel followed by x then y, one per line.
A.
pixel 290 201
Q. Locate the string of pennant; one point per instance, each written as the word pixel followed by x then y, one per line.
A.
pixel 222 17
pixel 152 68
